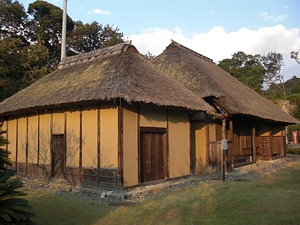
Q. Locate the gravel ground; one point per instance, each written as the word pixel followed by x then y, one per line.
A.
pixel 131 196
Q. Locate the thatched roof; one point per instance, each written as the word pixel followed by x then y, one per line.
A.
pixel 110 74
pixel 202 76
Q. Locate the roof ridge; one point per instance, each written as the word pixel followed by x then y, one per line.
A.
pixel 191 51
pixel 93 55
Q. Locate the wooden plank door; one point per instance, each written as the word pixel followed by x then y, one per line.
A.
pixel 58 156
pixel 152 156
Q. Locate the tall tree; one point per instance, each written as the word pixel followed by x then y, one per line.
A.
pixel 272 63
pixel 246 68
pixel 47 23
pixel 30 45
pixel 13 20
pixel 89 37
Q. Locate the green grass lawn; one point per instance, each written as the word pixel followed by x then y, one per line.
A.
pixel 274 199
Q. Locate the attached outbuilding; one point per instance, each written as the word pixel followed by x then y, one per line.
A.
pixel 103 118
pixel 253 125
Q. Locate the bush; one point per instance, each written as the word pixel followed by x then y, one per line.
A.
pixel 13 209
pixel 295 151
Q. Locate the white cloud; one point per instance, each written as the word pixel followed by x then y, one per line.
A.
pixel 99 11
pixel 272 17
pixel 217 44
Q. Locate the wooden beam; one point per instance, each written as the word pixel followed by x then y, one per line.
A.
pixel 254 142
pixel 139 144
pixel 167 172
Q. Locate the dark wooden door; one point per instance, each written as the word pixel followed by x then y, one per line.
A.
pixel 58 156
pixel 153 149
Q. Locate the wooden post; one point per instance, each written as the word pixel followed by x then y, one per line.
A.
pixel 254 142
pixel 224 148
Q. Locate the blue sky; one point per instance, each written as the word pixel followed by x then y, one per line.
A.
pixel 215 28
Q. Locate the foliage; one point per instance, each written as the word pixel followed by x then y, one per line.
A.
pixel 256 70
pixel 246 68
pixel 30 42
pixel 47 24
pixel 295 56
pixel 13 209
pixel 89 37
pixel 272 64
pixel 149 56
pixel 13 19
pixel 295 151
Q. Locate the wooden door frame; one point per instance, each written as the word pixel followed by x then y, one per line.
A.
pixel 53 168
pixel 153 130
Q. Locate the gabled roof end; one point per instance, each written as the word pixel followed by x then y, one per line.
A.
pixel 190 50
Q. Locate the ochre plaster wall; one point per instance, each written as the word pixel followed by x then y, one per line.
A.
pixel 22 139
pixel 45 139
pixel 130 146
pixel 11 136
pixel 109 137
pixel 152 116
pixel 58 126
pixel 72 138
pixel 212 132
pixel 179 143
pixel 33 139
pixel 89 138
pixel 199 134
pixel 263 130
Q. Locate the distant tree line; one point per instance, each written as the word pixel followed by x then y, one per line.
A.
pixel 262 73
pixel 30 42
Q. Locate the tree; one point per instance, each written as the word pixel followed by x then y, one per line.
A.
pixel 30 45
pixel 246 68
pixel 89 37
pixel 47 24
pixel 13 209
pixel 21 65
pixel 13 20
pixel 272 64
pixel 295 55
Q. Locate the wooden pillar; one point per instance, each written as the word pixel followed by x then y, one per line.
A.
pixel 139 147
pixel 168 152
pixel 270 144
pixel 231 149
pixel 207 144
pixel 98 145
pixel 224 128
pixel 224 152
pixel 283 148
pixel 254 142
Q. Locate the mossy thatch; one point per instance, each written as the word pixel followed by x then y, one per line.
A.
pixel 199 74
pixel 115 73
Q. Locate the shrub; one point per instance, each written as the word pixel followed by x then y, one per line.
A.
pixel 13 208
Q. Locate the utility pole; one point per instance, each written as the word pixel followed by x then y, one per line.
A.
pixel 64 32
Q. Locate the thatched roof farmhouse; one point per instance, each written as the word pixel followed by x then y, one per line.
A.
pixel 111 118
